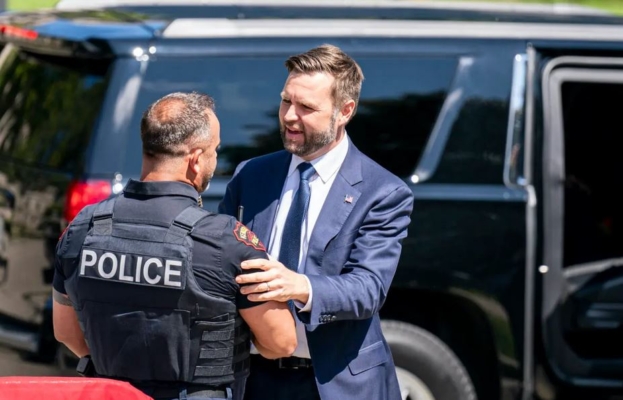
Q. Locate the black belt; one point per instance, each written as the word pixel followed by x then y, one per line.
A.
pixel 198 391
pixel 281 363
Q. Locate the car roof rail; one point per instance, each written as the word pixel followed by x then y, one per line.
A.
pixel 231 28
pixel 554 8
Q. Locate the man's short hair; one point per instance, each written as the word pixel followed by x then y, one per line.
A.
pixel 333 61
pixel 174 122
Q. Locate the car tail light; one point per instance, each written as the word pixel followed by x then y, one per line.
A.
pixel 82 193
pixel 15 31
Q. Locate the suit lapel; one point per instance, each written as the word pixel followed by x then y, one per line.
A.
pixel 340 201
pixel 267 197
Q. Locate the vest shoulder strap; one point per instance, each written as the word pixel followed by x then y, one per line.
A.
pixel 184 224
pixel 102 217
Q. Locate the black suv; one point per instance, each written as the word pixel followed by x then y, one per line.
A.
pixel 499 118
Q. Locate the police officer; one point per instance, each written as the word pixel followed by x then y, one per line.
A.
pixel 144 282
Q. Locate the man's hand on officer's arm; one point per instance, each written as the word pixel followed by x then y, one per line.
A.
pixel 66 327
pixel 275 282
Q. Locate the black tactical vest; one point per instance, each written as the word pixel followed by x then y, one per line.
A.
pixel 142 312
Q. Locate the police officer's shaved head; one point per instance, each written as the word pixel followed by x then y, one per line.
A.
pixel 175 122
pixel 181 135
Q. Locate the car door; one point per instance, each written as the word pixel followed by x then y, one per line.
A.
pixel 578 129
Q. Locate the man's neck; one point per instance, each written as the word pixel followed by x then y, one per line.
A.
pixel 164 176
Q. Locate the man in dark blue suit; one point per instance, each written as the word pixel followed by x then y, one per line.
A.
pixel 334 221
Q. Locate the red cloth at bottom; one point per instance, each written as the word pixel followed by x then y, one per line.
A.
pixel 61 388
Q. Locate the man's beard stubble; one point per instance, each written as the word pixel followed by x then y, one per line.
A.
pixel 313 141
pixel 205 182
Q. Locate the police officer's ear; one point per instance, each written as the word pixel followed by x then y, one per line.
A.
pixel 194 161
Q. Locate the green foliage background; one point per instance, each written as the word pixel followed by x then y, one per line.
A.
pixel 615 6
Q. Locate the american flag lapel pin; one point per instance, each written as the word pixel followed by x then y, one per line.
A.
pixel 348 198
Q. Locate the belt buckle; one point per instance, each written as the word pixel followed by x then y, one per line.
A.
pixel 288 363
pixel 283 365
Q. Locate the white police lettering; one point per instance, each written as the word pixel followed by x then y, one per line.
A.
pixel 169 270
pixel 100 266
pixel 130 268
pixel 148 263
pixel 122 275
pixel 139 265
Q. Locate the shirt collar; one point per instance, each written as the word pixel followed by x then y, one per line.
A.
pixel 161 188
pixel 327 164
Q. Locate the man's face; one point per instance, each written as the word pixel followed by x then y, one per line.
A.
pixel 210 154
pixel 307 115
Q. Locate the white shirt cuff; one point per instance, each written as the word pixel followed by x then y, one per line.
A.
pixel 306 307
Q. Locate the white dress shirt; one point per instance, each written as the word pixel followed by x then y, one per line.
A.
pixel 326 167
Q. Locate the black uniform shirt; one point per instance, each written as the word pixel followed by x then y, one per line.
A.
pixel 220 242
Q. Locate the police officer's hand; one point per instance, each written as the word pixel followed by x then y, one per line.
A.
pixel 275 282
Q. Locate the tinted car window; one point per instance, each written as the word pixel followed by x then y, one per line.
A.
pixel 399 103
pixel 475 151
pixel 246 92
pixel 48 106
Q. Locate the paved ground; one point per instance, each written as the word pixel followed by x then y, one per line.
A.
pixel 11 364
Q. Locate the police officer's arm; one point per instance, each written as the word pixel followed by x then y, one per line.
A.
pixel 65 320
pixel 66 327
pixel 273 328
pixel 272 324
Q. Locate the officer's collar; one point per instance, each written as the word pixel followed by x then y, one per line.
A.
pixel 161 188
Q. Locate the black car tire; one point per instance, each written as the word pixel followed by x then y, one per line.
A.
pixel 422 358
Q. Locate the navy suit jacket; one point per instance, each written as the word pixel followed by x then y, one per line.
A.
pixel 352 258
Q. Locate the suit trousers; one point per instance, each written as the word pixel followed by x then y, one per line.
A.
pixel 269 382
